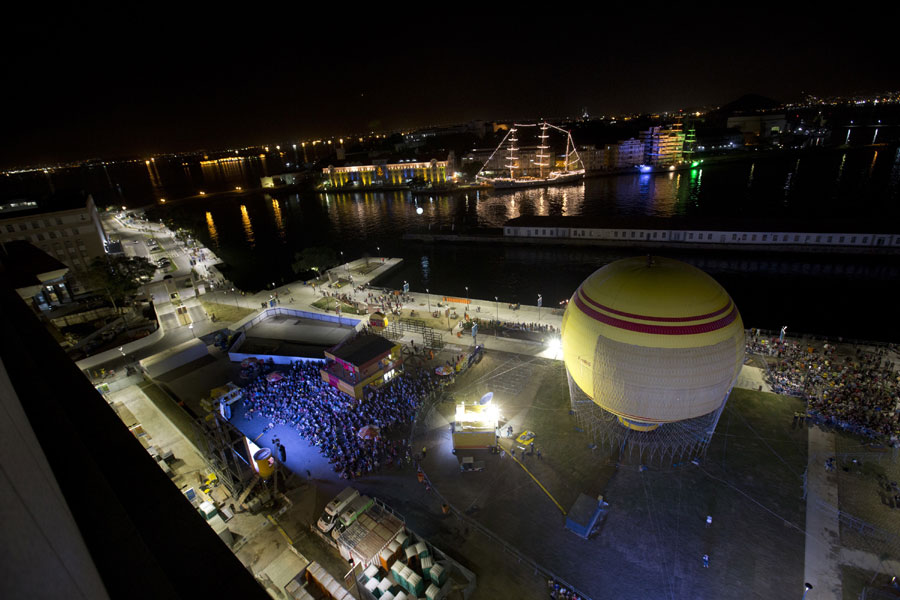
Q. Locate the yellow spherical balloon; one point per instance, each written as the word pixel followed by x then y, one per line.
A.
pixel 653 340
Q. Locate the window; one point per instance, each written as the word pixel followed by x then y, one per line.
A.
pixel 74 231
pixel 83 218
pixel 753 238
pixel 841 240
pixel 63 233
pixel 818 238
pixel 10 228
pixel 690 236
pixel 616 234
pixel 765 237
pixel 23 226
pixel 796 238
pixel 632 234
pixel 733 237
pixel 654 235
pixel 664 234
pixel 40 237
pixel 46 223
pixel 853 240
pixel 829 239
pixel 744 237
pixel 642 234
pixel 807 239
pixel 58 221
pixel 52 235
pixel 35 225
pixel 709 236
pixel 865 240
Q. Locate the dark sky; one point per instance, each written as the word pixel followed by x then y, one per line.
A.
pixel 159 79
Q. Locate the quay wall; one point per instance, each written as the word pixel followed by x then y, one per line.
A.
pixel 657 244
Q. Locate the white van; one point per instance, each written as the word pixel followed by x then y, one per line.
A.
pixel 335 508
pixel 356 507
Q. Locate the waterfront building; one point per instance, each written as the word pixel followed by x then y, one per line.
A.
pixel 662 146
pixel 383 173
pixel 282 179
pixel 757 127
pixel 368 361
pixel 65 226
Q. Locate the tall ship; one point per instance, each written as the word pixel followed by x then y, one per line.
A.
pixel 538 165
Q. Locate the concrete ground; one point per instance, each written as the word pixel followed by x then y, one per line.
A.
pixel 653 540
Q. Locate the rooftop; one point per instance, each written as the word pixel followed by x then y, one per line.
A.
pixel 23 207
pixel 363 349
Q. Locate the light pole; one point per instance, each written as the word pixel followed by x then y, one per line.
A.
pixel 467 298
pixel 428 297
pixel 806 587
pixel 497 327
pixel 191 327
pixel 540 302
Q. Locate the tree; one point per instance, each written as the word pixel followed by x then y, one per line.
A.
pixel 316 259
pixel 118 277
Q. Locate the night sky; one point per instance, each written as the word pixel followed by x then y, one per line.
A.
pixel 80 86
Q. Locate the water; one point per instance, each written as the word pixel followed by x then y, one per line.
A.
pixel 257 234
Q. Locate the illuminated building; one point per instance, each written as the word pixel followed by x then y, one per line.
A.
pixel 387 174
pixel 368 361
pixel 663 146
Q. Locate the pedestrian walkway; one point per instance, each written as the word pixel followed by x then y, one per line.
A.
pixel 822 560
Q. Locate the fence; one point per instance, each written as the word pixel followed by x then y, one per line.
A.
pixel 249 322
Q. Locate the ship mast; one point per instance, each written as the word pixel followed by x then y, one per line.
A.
pixel 511 159
pixel 542 148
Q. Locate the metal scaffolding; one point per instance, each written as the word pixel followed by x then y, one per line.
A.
pixel 680 440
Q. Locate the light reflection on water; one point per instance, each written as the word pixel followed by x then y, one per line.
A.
pixel 248 227
pixel 211 228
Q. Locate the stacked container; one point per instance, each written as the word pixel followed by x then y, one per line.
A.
pixel 416 585
pixel 427 563
pixel 432 592
pixel 438 575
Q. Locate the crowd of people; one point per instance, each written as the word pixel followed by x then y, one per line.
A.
pixel 332 420
pixel 858 392
pixel 561 592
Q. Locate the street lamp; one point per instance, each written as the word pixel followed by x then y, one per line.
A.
pixel 428 297
pixel 806 587
pixel 233 297
pixel 497 327
pixel 467 298
pixel 191 327
pixel 540 302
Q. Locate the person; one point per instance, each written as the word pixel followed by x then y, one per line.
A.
pixel 538 453
pixel 509 431
pixel 706 561
pixel 708 520
pixel 424 450
pixel 283 452
pixel 308 474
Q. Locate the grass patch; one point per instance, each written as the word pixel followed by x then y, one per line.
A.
pixel 330 303
pixel 226 312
